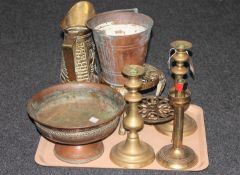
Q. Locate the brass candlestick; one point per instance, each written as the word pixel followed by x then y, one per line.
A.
pixel 178 156
pixel 132 153
pixel 190 126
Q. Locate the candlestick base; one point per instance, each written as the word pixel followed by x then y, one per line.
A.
pixel 132 154
pixel 178 158
pixel 190 126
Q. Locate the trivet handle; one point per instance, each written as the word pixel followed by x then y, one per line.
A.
pixel 161 85
pixel 121 130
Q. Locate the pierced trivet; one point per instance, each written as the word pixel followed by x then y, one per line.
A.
pixel 155 110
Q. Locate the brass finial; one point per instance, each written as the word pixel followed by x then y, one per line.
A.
pixel 181 45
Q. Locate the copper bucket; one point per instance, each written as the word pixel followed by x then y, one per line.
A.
pixel 121 38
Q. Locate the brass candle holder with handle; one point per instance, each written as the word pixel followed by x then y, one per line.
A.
pixel 176 155
pixel 181 55
pixel 132 153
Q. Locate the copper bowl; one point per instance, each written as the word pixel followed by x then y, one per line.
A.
pixel 77 117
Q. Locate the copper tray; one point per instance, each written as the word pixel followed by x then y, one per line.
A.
pixel 45 157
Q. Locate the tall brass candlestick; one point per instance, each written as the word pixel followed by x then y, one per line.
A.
pixel 190 125
pixel 178 156
pixel 132 153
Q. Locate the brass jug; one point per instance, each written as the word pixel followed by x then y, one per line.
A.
pixel 78 48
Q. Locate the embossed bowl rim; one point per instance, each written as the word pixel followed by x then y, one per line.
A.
pixel 67 87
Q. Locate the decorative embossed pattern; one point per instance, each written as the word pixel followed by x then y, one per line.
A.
pixel 155 110
pixel 83 136
pixel 84 59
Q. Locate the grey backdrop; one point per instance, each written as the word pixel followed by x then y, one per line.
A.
pixel 30 52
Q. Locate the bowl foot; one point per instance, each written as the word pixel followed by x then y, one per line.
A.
pixel 76 154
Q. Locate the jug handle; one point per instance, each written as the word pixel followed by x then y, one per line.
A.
pixel 134 10
pixel 67 49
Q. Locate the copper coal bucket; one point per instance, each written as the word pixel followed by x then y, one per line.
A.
pixel 78 62
pixel 121 38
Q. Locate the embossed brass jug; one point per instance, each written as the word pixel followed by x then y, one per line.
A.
pixel 79 53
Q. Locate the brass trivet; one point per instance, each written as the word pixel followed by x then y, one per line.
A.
pixel 151 78
pixel 155 110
